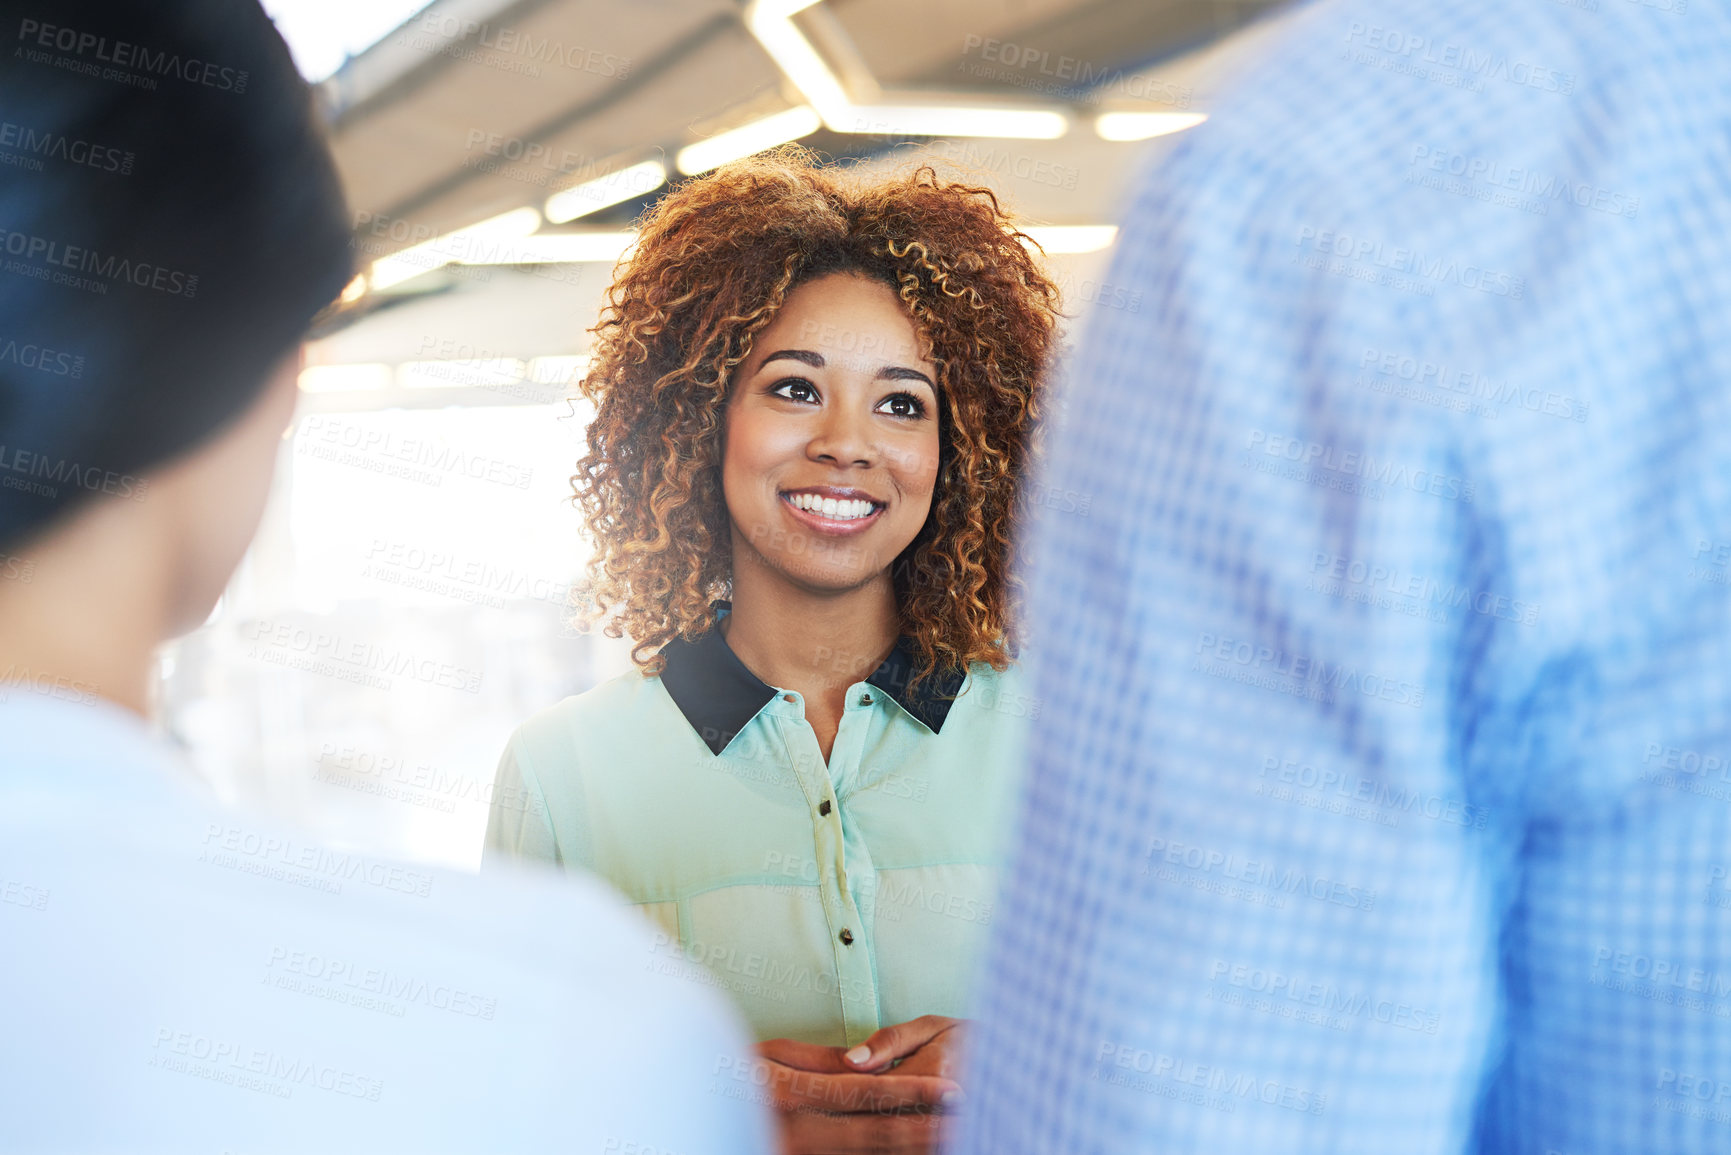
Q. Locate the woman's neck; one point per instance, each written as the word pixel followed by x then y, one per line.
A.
pixel 76 622
pixel 816 643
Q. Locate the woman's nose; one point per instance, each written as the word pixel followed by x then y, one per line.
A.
pixel 844 437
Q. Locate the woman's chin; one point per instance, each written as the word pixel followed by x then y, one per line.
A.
pixel 826 580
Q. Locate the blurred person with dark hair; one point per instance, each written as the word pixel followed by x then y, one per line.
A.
pixel 1382 803
pixel 816 392
pixel 178 978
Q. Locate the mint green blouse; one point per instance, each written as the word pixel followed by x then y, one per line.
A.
pixel 828 899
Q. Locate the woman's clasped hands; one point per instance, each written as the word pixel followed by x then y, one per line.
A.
pixel 888 1094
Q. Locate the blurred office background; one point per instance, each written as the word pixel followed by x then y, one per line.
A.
pixel 405 604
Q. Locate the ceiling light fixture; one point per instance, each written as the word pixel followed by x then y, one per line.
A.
pixel 554 249
pixel 593 195
pixel 939 120
pixel 344 378
pixel 1073 238
pixel 771 21
pixel 1143 125
pixel 452 247
pixel 748 139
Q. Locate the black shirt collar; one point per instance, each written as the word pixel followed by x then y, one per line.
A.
pixel 718 695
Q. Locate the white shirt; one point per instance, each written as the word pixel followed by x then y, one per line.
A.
pixel 180 978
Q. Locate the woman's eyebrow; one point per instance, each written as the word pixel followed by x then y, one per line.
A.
pixel 805 356
pixel 816 361
pixel 903 373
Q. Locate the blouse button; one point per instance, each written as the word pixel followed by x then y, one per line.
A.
pixel 823 807
pixel 787 697
pixel 846 937
pixel 865 699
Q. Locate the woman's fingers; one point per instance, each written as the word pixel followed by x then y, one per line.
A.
pixel 796 1090
pixel 805 1056
pixel 810 1134
pixel 941 1057
pixel 897 1042
pixel 828 1109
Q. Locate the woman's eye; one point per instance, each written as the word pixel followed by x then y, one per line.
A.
pixel 903 405
pixel 795 389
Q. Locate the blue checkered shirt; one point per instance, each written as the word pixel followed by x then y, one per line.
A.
pixel 1382 796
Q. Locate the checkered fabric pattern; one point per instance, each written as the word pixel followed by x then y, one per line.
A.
pixel 1382 796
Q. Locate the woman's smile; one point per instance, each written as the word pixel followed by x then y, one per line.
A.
pixel 833 510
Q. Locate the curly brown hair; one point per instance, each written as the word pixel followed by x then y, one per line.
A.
pixel 715 259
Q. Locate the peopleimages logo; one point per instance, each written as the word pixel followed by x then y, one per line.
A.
pixel 1390 587
pixel 1470 384
pixel 1236 868
pixel 1363 467
pixel 1332 1001
pixel 1007 162
pixel 1661 980
pixel 1409 262
pixel 1072 74
pixel 1375 791
pixel 29 355
pixel 1213 1077
pixel 350 659
pixel 475 580
pixel 124 58
pixel 254 1068
pixel 737 969
pixel 235 848
pixel 349 977
pixel 1691 1095
pixel 35 143
pixel 57 686
pixel 102 269
pixel 415 459
pixel 1317 677
pixel 1520 181
pixel 1475 63
pixel 37 473
pixel 458 34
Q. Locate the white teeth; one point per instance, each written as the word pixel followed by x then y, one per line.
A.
pixel 831 508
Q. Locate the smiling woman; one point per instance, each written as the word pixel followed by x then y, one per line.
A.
pixel 816 395
pixel 828 472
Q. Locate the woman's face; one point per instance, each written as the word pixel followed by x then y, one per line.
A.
pixel 831 450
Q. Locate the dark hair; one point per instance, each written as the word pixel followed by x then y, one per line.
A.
pixel 170 222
